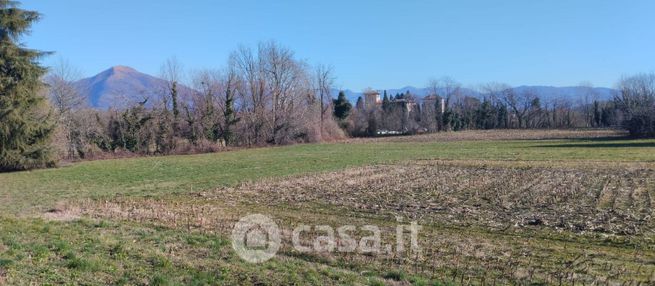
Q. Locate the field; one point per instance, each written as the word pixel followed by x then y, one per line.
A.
pixel 495 207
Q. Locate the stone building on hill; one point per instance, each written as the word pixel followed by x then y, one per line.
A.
pixel 372 99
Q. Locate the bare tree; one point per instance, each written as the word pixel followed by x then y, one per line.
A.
pixel 449 89
pixel 217 103
pixel 64 95
pixel 287 80
pixel 324 80
pixel 172 72
pixel 273 90
pixel 202 111
pixel 495 93
pixel 67 98
pixel 636 99
pixel 250 72
pixel 230 84
pixel 519 104
pixel 433 87
pixel 589 97
pixel 494 90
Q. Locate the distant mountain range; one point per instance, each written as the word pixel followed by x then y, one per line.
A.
pixel 122 86
pixel 545 93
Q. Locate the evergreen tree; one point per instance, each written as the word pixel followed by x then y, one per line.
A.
pixel 131 130
pixel 448 119
pixel 608 115
pixel 386 103
pixel 342 106
pixel 208 118
pixel 502 116
pixel 164 140
pixel 26 124
pixel 372 129
pixel 485 116
pixel 176 109
pixel 360 103
pixel 598 114
pixel 230 117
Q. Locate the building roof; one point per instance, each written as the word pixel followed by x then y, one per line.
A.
pixel 403 100
pixel 431 97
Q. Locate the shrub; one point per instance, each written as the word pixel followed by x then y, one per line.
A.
pixel 636 99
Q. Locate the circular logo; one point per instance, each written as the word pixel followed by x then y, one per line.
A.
pixel 256 238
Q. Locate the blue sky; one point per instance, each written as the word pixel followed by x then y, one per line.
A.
pixel 379 44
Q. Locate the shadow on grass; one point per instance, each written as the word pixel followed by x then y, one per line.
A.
pixel 602 142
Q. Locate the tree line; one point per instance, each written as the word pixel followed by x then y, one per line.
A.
pixel 263 96
pixel 448 107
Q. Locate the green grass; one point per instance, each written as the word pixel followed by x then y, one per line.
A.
pixel 85 252
pixel 35 191
pixel 97 252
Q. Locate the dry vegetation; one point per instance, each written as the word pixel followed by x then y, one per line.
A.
pixel 509 134
pixel 616 201
pixel 485 222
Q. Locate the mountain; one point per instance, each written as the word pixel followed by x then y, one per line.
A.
pixel 121 86
pixel 571 93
